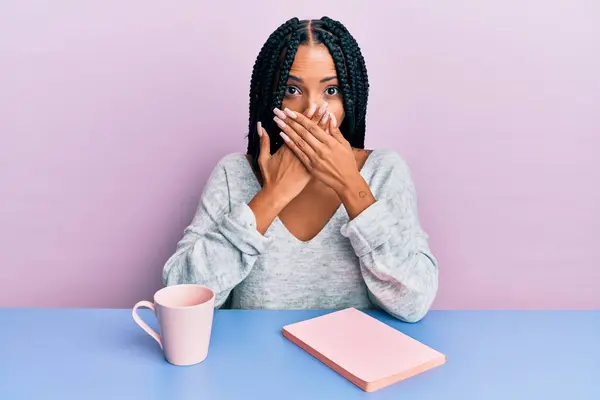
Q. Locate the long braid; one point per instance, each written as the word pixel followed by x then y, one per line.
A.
pixel 262 81
pixel 358 72
pixel 292 48
pixel 340 67
pixel 350 60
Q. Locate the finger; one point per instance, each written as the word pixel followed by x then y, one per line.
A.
pixel 318 116
pixel 299 135
pixel 303 139
pixel 311 110
pixel 324 122
pixel 304 159
pixel 308 126
pixel 334 130
pixel 265 148
pixel 321 112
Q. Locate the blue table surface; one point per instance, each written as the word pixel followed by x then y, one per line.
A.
pixel 102 354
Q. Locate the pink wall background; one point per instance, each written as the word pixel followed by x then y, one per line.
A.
pixel 112 115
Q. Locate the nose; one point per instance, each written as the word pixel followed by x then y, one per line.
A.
pixel 313 99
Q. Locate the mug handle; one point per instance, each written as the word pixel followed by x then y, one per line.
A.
pixel 144 325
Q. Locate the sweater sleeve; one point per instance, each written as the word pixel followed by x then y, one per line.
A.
pixel 399 270
pixel 221 244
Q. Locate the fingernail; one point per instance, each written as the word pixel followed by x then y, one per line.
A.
pixel 290 113
pixel 284 136
pixel 333 120
pixel 279 122
pixel 259 129
pixel 279 113
pixel 325 118
pixel 311 110
pixel 322 108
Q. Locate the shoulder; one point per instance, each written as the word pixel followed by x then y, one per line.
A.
pixel 388 172
pixel 232 176
pixel 232 168
pixel 388 160
pixel 235 166
pixel 233 161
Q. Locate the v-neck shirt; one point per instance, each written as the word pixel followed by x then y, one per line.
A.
pixel 380 258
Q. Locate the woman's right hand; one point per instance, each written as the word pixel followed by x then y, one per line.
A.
pixel 283 174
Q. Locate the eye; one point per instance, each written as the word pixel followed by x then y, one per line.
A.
pixel 291 91
pixel 332 91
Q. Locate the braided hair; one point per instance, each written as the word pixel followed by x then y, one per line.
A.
pixel 271 71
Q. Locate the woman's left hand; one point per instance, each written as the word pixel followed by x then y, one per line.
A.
pixel 327 155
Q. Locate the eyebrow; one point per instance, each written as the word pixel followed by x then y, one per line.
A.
pixel 326 79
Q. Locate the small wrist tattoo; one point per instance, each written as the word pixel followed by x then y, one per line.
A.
pixel 362 194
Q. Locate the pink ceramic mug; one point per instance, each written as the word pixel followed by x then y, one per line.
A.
pixel 185 316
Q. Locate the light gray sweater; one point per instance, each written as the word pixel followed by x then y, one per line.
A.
pixel 381 258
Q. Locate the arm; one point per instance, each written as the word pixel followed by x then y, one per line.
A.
pixel 398 268
pixel 220 246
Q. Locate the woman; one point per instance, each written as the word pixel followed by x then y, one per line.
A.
pixel 308 218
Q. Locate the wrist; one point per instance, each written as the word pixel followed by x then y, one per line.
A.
pixel 273 198
pixel 266 205
pixel 356 196
pixel 351 187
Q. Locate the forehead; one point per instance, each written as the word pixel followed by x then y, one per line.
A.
pixel 313 61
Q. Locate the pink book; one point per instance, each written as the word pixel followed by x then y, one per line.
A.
pixel 364 350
